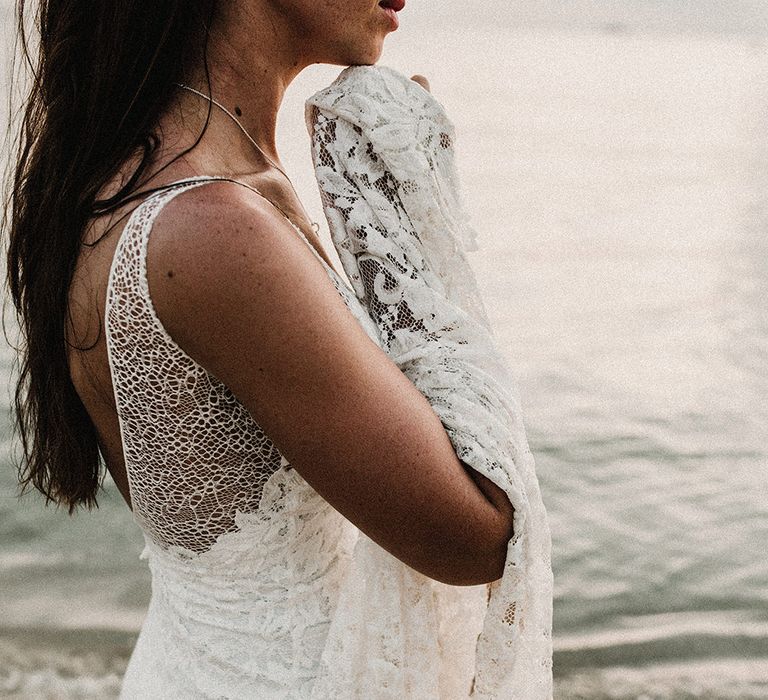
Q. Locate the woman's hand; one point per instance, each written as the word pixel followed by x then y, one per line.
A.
pixel 421 80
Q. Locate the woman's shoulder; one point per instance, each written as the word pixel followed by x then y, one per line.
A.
pixel 221 258
pixel 196 207
pixel 211 228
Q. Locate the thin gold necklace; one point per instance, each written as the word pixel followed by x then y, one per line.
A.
pixel 315 226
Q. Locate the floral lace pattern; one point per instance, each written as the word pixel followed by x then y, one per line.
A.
pixel 383 150
pixel 186 439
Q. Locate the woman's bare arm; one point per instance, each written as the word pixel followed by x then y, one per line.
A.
pixel 241 293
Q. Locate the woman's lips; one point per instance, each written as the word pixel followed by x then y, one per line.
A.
pixel 392 7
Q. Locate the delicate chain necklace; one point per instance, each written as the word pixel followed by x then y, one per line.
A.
pixel 314 224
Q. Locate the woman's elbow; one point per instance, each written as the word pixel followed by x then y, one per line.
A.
pixel 479 566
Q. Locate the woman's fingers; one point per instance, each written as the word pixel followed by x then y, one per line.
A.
pixel 421 80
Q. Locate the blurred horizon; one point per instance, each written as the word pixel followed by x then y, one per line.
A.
pixel 745 17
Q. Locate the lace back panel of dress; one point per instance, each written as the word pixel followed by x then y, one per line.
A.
pixel 193 454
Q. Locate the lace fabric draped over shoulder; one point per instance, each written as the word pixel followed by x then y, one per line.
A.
pixel 383 151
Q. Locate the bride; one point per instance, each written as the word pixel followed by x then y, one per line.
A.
pixel 184 327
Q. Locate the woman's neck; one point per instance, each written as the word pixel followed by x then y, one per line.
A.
pixel 252 58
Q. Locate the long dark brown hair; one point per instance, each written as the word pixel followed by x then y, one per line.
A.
pixel 100 75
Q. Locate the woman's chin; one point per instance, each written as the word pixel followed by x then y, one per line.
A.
pixel 359 55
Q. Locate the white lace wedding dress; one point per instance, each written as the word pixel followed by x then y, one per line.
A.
pixel 246 558
pixel 260 589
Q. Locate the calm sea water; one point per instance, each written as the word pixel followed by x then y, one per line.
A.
pixel 619 182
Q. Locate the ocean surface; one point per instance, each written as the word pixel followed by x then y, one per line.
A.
pixel 616 168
